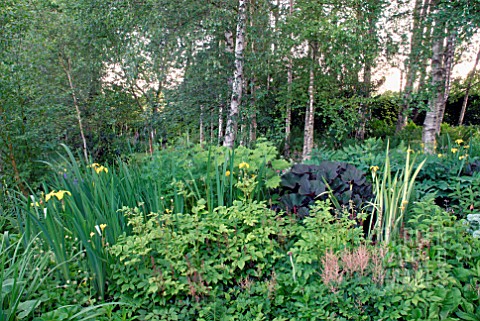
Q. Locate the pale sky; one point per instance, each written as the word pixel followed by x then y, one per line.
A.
pixel 461 69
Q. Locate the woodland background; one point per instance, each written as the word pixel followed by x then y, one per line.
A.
pixel 110 78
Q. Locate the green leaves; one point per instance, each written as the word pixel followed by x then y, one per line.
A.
pixel 182 255
pixel 306 183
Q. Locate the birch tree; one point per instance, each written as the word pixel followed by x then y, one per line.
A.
pixel 308 134
pixel 237 86
pixel 436 101
pixel 452 22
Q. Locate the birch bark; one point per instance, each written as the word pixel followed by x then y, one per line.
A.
pixel 232 122
pixel 310 114
pixel 448 65
pixel 437 95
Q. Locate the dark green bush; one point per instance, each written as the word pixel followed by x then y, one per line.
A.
pixel 304 184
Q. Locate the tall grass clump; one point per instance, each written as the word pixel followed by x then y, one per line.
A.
pixel 392 196
pixel 215 173
pixel 22 270
pixel 78 209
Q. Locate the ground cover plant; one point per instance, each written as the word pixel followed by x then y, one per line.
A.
pixel 155 239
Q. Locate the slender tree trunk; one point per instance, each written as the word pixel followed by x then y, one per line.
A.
pixel 232 122
pixel 253 112
pixel 310 114
pixel 212 134
pixel 448 65
pixel 202 129
pixel 220 123
pixel 436 99
pixel 243 129
pixel 67 67
pixel 467 90
pixel 411 66
pixel 288 112
pixel 11 156
pixel 229 41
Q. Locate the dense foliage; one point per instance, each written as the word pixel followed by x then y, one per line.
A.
pixel 141 241
pixel 329 199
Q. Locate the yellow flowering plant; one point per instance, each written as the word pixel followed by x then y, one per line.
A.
pixel 98 168
pixel 244 165
pixel 59 195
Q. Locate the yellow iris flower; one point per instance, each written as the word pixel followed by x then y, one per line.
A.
pixel 100 228
pixel 59 195
pixel 98 168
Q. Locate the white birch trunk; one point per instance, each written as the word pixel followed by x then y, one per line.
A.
pixel 448 65
pixel 436 99
pixel 232 122
pixel 220 123
pixel 310 114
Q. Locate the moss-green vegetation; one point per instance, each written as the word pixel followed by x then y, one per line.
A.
pixel 195 233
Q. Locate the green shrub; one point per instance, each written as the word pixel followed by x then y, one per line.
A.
pixel 175 260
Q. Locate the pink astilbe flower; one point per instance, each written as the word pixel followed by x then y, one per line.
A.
pixel 378 270
pixel 331 274
pixel 362 257
pixel 348 262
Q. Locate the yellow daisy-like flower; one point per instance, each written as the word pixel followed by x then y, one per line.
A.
pixel 374 168
pixel 59 195
pixel 227 173
pixel 459 141
pixel 243 165
pixel 454 150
